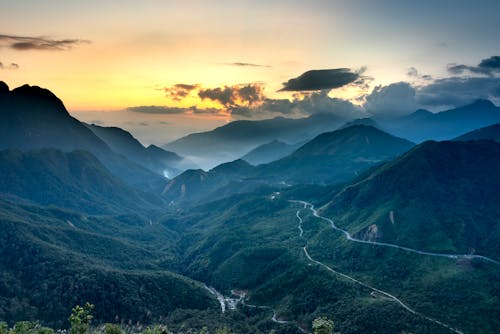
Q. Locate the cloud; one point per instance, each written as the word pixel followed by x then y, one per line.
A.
pixel 321 80
pixel 394 99
pixel 238 64
pixel 492 63
pixel 234 96
pixel 157 110
pixel 166 110
pixel 488 66
pixel 458 91
pixel 11 66
pixel 412 72
pixel 24 43
pixel 180 91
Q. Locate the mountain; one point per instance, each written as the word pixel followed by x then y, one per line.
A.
pixel 75 180
pixel 336 156
pixel 233 140
pixel 154 158
pixel 53 259
pixel 192 185
pixel 33 118
pixel 439 197
pixel 424 125
pixel 269 152
pixel 362 121
pixel 491 132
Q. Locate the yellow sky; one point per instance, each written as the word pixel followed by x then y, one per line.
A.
pixel 133 48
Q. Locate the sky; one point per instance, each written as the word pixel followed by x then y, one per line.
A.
pixel 162 69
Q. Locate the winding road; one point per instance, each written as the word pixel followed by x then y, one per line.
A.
pixel 384 244
pixel 384 293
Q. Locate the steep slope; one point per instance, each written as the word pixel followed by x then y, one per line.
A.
pixel 336 156
pixel 154 158
pixel 269 152
pixel 32 118
pixel 253 242
pixel 74 180
pixel 192 185
pixel 424 125
pixel 491 132
pixel 440 197
pixel 233 140
pixel 52 260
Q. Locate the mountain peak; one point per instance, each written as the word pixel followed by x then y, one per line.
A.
pixel 36 96
pixel 4 88
pixel 483 103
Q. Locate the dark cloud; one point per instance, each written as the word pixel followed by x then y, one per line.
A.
pixel 97 122
pixel 321 80
pixel 458 91
pixel 488 66
pixel 491 63
pixel 143 123
pixel 11 66
pixel 245 64
pixel 179 91
pixel 394 99
pixel 23 43
pixel 234 96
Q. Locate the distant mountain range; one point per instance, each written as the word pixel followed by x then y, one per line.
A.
pixel 154 158
pixel 269 152
pixel 336 156
pixel 331 157
pixel 491 132
pixel 233 140
pixel 424 125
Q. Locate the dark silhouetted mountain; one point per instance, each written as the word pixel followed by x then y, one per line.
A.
pixel 233 140
pixel 491 132
pixel 75 180
pixel 440 196
pixel 269 152
pixel 193 185
pixel 336 156
pixel 154 158
pixel 33 118
pixel 362 121
pixel 423 125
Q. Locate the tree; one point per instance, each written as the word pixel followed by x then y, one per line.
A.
pixel 112 329
pixel 80 318
pixel 322 325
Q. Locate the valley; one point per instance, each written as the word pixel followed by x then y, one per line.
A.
pixel 344 221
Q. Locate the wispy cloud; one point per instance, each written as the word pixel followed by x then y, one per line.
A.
pixel 11 66
pixel 488 66
pixel 179 91
pixel 25 43
pixel 242 64
pixel 166 110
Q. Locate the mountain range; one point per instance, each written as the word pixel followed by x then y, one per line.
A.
pixel 353 223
